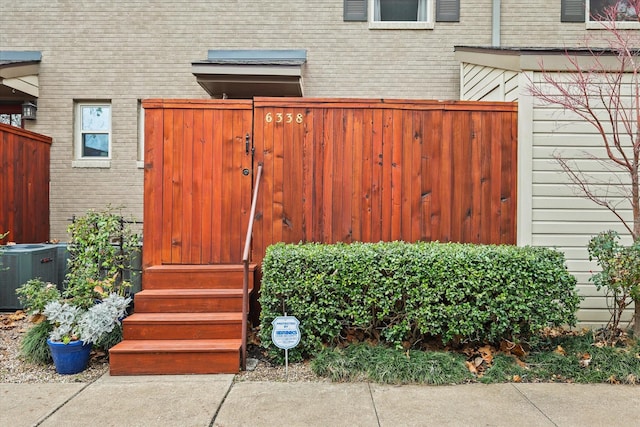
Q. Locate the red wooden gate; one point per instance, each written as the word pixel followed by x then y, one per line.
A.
pixel 197 181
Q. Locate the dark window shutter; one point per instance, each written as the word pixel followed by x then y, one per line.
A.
pixel 572 11
pixel 355 10
pixel 448 10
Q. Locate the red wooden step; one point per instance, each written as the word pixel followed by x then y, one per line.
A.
pixel 188 300
pixel 182 326
pixel 157 357
pixel 224 276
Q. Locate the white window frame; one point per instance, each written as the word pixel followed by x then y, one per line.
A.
pixel 140 159
pixel 428 24
pixel 91 162
pixel 601 25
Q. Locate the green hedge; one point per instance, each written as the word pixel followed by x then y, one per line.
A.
pixel 401 293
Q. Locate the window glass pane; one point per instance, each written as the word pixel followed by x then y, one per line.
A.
pixel 399 10
pixel 95 118
pixel 622 10
pixel 95 145
pixel 11 119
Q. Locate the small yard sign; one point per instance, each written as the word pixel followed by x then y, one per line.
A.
pixel 286 333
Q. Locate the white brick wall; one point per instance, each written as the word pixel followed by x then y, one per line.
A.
pixel 124 51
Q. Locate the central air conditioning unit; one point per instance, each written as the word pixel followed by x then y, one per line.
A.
pixel 21 263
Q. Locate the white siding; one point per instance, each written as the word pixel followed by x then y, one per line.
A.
pixel 561 216
pixel 481 83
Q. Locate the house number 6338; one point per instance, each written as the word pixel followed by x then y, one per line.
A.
pixel 283 117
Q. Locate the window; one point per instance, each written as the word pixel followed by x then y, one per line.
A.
pixel 11 115
pixel 621 9
pixel 623 12
pixel 93 134
pixel 140 135
pixel 398 14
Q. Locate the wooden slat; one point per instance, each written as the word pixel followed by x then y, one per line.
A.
pixel 164 229
pixel 416 188
pixel 177 200
pixel 396 144
pixel 347 167
pixel 308 174
pixel 218 178
pixel 407 150
pixel 366 183
pixel 197 210
pixel 326 187
pixel 208 187
pixel 386 183
pixel 153 186
pixel 357 174
pixel 187 190
pixel 377 176
pixel 496 173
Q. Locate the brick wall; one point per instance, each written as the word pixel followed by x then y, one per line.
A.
pixel 105 51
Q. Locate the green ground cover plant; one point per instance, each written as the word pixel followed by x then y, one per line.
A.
pixel 569 357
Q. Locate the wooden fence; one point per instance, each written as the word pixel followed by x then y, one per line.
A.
pixel 24 185
pixel 343 171
pixel 334 171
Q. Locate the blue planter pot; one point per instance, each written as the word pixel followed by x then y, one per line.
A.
pixel 70 358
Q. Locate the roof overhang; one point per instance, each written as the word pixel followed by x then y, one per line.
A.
pixel 243 74
pixel 537 59
pixel 19 74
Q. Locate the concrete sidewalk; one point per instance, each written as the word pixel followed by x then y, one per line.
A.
pixel 215 400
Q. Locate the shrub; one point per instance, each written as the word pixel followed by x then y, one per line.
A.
pixel 100 250
pixel 620 275
pixel 401 294
pixel 35 294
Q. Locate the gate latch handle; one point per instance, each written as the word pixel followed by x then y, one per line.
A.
pixel 246 144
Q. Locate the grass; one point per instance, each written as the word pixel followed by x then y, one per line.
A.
pixel 362 362
pixel 33 347
pixel 567 358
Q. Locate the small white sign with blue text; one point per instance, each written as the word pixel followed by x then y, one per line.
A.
pixel 286 332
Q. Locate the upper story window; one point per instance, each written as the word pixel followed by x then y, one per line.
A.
pixel 92 134
pixel 622 11
pixel 400 14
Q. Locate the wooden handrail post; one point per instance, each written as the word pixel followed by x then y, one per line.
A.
pixel 245 261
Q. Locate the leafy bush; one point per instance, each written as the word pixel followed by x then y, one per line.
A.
pixel 35 294
pixel 620 274
pixel 402 294
pixel 101 248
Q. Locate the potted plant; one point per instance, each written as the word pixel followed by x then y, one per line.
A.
pixel 75 329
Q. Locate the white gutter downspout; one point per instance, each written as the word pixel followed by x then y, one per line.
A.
pixel 495 24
